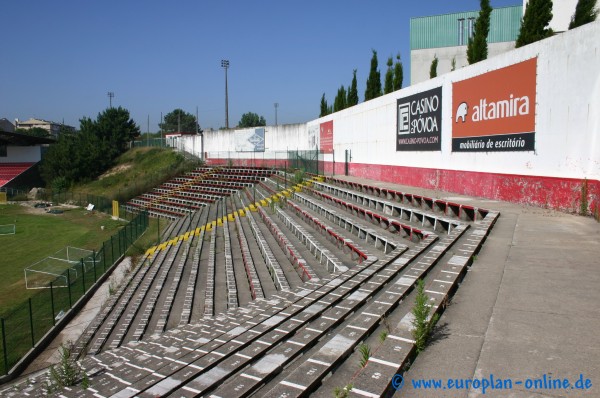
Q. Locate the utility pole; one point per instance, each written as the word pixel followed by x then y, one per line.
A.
pixel 276 106
pixel 148 132
pixel 111 95
pixel 225 65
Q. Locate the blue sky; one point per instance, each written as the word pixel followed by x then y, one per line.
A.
pixel 60 58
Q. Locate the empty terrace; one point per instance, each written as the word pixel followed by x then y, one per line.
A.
pixel 270 289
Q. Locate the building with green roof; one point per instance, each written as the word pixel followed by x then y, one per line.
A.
pixel 446 36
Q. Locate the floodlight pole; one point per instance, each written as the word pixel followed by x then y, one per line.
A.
pixel 225 65
pixel 111 95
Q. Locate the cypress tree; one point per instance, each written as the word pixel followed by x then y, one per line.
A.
pixel 352 91
pixel 340 100
pixel 538 15
pixel 477 49
pixel 325 110
pixel 374 81
pixel 585 12
pixel 388 87
pixel 433 68
pixel 398 73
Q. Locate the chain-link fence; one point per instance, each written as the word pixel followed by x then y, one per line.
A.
pixel 310 161
pixel 14 193
pixel 25 325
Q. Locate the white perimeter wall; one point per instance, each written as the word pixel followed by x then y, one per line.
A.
pixel 567 118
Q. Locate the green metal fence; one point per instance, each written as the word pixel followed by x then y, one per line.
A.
pixel 310 161
pixel 151 142
pixel 24 326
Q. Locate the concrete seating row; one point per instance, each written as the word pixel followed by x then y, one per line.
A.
pixel 115 299
pixel 449 208
pixel 200 187
pixel 209 291
pixel 165 312
pixel 367 234
pixel 232 293
pixel 300 265
pixel 253 281
pixel 115 312
pixel 427 219
pixel 391 356
pixel 149 299
pixel 364 317
pixel 281 282
pixel 324 256
pixel 393 225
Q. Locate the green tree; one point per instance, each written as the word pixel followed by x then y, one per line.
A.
pixel 388 86
pixel 538 15
pixel 433 67
pixel 34 132
pixel 373 89
pixel 585 12
pixel 477 48
pixel 251 119
pixel 115 126
pixel 340 100
pixel 352 91
pixel 398 73
pixel 178 117
pixel 85 155
pixel 325 110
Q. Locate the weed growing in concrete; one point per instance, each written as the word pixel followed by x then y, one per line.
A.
pixel 583 206
pixel 365 354
pixel 383 335
pixel 422 323
pixel 298 177
pixel 342 392
pixel 67 373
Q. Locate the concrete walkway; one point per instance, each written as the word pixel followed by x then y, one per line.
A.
pixel 527 308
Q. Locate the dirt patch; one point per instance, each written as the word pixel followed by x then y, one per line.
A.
pixel 30 208
pixel 116 170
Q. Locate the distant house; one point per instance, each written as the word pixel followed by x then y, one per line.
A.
pixel 6 126
pixel 19 158
pixel 53 128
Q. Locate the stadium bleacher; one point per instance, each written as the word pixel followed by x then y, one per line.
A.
pixel 9 171
pixel 266 291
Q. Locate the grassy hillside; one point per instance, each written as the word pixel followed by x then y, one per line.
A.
pixel 137 171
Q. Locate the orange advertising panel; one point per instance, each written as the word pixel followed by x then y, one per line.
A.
pixel 495 111
pixel 326 137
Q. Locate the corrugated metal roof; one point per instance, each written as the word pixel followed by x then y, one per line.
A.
pixel 443 30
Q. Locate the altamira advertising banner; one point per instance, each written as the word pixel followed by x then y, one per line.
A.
pixel 495 111
pixel 419 121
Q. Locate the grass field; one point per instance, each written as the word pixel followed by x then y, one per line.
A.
pixel 38 235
